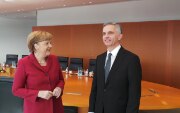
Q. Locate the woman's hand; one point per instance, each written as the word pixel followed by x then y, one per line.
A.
pixel 57 92
pixel 45 94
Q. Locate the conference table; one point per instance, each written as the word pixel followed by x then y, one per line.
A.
pixel 154 96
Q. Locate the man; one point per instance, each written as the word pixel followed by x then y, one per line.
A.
pixel 116 86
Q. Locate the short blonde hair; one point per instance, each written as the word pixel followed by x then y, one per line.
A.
pixel 37 36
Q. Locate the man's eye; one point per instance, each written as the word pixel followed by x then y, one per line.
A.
pixel 111 33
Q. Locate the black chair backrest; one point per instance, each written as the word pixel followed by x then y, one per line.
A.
pixel 8 102
pixel 63 62
pixel 24 56
pixel 92 63
pixel 70 109
pixel 10 58
pixel 75 63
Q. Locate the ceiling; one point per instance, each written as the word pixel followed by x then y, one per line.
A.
pixel 28 8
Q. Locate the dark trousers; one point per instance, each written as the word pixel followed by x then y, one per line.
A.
pixel 103 110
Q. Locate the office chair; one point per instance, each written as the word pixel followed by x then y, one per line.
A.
pixel 70 109
pixel 24 56
pixel 75 63
pixel 173 110
pixel 63 62
pixel 92 64
pixel 8 102
pixel 10 58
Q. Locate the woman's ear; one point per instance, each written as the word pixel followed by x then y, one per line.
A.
pixel 35 46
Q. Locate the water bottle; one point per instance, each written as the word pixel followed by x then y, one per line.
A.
pixel 66 70
pixel 86 72
pixel 13 64
pixel 79 71
pixel 0 67
pixel 3 67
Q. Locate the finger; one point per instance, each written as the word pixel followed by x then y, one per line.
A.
pixel 49 95
pixel 57 94
pixel 54 93
pixel 50 92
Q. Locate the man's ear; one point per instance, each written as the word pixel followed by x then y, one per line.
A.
pixel 120 36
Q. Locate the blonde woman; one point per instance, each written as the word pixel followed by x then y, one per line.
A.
pixel 38 78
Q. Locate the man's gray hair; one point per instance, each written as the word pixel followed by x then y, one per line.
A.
pixel 117 26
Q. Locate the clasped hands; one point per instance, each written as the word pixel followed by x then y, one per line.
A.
pixel 45 94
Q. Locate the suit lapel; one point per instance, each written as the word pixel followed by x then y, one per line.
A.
pixel 102 64
pixel 34 61
pixel 115 66
pixel 49 63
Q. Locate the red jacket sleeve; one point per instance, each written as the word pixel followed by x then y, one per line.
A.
pixel 19 85
pixel 61 78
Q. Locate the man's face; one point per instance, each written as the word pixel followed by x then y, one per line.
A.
pixel 110 36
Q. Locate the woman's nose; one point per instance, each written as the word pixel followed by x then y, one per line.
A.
pixel 50 45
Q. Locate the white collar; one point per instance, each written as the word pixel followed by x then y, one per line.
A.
pixel 115 50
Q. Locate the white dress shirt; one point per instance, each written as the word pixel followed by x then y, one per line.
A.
pixel 113 56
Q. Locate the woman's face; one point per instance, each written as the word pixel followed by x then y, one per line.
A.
pixel 43 48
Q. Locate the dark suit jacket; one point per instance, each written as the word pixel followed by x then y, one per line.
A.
pixel 122 90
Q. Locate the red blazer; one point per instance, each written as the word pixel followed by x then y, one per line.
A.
pixel 30 77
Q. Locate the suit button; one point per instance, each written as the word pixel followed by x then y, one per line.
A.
pixel 104 90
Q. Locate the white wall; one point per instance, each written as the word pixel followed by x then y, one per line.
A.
pixel 142 10
pixel 13 33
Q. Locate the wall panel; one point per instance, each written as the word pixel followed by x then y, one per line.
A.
pixel 156 43
pixel 176 55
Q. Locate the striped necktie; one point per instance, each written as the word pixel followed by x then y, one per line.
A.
pixel 107 67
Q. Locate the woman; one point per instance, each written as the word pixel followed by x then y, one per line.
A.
pixel 38 78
